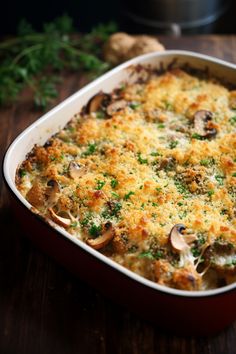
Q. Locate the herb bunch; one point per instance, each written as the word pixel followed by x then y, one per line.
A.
pixel 34 59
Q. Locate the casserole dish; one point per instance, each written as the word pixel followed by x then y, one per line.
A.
pixel 169 308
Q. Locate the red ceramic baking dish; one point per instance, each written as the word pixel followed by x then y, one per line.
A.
pixel 186 312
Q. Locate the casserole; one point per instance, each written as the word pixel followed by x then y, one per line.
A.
pixel 159 304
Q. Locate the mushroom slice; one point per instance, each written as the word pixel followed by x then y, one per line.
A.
pixel 75 170
pixel 221 255
pixel 116 106
pixel 200 124
pixel 65 222
pixel 176 238
pixel 104 239
pixel 52 191
pixel 98 101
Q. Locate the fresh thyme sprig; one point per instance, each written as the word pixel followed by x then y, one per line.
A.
pixel 34 59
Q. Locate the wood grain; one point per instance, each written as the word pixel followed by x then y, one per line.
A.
pixel 43 308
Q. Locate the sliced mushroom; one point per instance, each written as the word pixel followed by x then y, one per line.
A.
pixel 75 170
pixel 104 239
pixel 221 255
pixel 200 124
pixel 176 238
pixel 65 222
pixel 116 106
pixel 52 191
pixel 97 102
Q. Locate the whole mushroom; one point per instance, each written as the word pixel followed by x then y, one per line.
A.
pixel 143 45
pixel 121 47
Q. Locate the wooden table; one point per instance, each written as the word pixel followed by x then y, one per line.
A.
pixel 43 308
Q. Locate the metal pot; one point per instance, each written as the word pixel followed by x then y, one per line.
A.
pixel 175 15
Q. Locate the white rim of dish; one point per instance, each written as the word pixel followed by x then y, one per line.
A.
pixel 130 274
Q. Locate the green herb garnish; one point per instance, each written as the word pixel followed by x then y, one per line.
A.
pixel 155 153
pixel 22 173
pixel 128 195
pixel 168 106
pixel 114 183
pixel 210 192
pixel 173 144
pixel 161 126
pixel 100 114
pixel 135 105
pixel 196 136
pixel 220 179
pixel 115 195
pixel 207 162
pixel 142 160
pixel 100 185
pixel 95 230
pixel 233 120
pixel 90 150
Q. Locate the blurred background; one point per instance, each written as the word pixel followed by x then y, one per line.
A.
pixel 150 16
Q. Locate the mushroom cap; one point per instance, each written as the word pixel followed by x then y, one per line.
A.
pixel 116 106
pixel 104 239
pixel 176 238
pixel 97 102
pixel 75 170
pixel 201 118
pixel 117 46
pixel 59 219
pixel 52 191
pixel 143 45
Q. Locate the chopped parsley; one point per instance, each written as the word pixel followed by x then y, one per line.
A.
pixel 115 195
pixel 90 150
pixel 233 120
pixel 146 254
pixel 52 158
pixel 112 209
pixel 22 173
pixel 220 179
pixel 173 144
pixel 196 136
pixel 161 126
pixel 100 185
pixel 207 162
pixel 135 105
pixel 95 230
pixel 181 188
pixel 155 153
pixel 210 192
pixel 151 255
pixel 142 160
pixel 168 106
pixel 127 196
pixel 234 174
pixel 100 114
pixel 114 183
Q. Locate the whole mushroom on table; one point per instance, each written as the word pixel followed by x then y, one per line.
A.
pixel 122 46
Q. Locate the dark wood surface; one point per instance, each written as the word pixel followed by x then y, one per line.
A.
pixel 43 308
